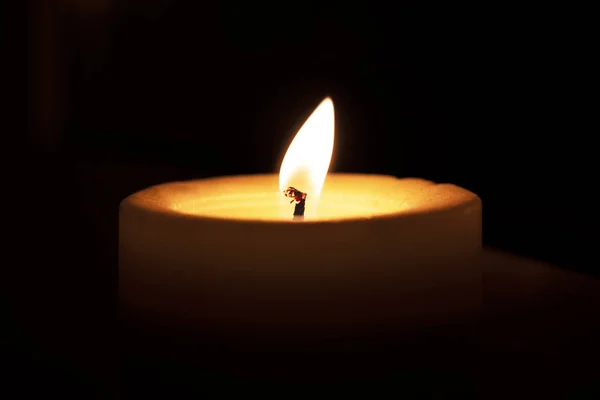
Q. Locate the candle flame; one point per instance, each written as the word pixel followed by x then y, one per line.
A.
pixel 307 159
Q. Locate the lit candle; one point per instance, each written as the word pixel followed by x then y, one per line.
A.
pixel 373 252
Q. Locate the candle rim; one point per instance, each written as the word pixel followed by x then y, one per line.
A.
pixel 142 199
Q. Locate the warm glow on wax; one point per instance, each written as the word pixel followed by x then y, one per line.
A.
pixel 307 159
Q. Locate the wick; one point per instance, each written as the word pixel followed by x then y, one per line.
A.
pixel 297 197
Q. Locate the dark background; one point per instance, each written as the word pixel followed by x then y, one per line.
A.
pixel 125 94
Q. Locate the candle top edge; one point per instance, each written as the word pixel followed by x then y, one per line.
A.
pixel 365 196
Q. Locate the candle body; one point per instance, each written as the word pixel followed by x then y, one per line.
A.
pixel 218 255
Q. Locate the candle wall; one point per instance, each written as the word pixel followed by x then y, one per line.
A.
pixel 382 253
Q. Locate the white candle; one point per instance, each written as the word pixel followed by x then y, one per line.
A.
pixel 373 252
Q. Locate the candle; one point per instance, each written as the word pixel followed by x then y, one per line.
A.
pixel 372 252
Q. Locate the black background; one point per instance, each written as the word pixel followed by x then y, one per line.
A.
pixel 123 95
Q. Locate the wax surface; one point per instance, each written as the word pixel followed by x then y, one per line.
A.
pixel 223 254
pixel 346 196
